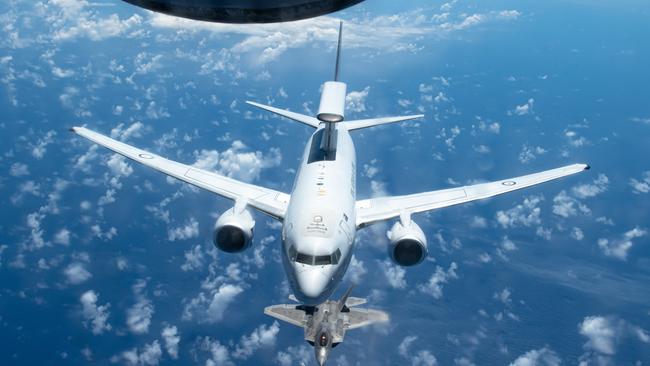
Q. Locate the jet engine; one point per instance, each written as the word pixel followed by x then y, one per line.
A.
pixel 233 231
pixel 408 245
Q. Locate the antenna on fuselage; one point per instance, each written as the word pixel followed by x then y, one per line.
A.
pixel 338 53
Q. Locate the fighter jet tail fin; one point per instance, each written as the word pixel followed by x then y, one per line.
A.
pixel 363 123
pixel 309 121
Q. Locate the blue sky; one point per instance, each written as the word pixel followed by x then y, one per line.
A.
pixel 106 261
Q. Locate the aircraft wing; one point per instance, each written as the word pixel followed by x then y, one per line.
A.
pixel 359 317
pixel 383 208
pixel 288 313
pixel 269 201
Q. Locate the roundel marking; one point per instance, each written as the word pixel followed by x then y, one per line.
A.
pixel 509 183
pixel 145 156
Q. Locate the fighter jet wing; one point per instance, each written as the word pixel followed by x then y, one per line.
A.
pixel 384 208
pixel 266 200
pixel 359 317
pixel 287 313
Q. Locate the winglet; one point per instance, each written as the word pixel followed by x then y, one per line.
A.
pixel 309 121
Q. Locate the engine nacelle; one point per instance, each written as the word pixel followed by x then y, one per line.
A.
pixel 408 244
pixel 233 231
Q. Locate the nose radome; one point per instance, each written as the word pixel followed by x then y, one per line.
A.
pixel 312 283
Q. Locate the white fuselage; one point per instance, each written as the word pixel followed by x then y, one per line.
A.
pixel 320 224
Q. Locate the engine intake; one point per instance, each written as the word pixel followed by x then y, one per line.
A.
pixel 233 231
pixel 408 244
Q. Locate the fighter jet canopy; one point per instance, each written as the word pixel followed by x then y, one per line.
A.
pixel 245 11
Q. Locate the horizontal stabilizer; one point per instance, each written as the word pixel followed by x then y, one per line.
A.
pixel 287 313
pixel 354 301
pixel 310 121
pixel 363 123
pixel 360 317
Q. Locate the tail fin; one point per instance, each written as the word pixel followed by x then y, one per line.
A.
pixel 363 123
pixel 344 298
pixel 309 121
pixel 338 53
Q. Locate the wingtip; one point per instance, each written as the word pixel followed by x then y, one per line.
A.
pixel 587 166
pixel 73 129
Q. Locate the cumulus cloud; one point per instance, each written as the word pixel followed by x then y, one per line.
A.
pixel 567 206
pixel 18 170
pixel 620 247
pixel 193 259
pixel 138 316
pixel 236 162
pixel 538 357
pixel 598 186
pixel 172 339
pixel 150 355
pixel 262 336
pixel 76 273
pixel 435 284
pixel 355 101
pixel 525 214
pixel 394 274
pixel 96 316
pixel 123 133
pixel 211 307
pixel 62 237
pixel 355 271
pixel 604 334
pixel 642 185
pixel 529 153
pixel 189 231
pixel 524 109
pixel 39 149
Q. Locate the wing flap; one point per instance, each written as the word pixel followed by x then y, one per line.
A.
pixel 364 123
pixel 269 201
pixel 384 208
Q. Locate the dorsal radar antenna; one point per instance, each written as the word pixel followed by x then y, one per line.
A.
pixel 338 53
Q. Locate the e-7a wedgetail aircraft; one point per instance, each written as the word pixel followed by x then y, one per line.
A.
pixel 322 214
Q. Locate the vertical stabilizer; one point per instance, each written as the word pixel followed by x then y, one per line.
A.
pixel 332 99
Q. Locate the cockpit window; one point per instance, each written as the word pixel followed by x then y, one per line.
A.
pixel 318 260
pixel 323 339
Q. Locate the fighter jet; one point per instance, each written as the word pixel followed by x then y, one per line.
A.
pixel 325 325
pixel 245 11
pixel 321 216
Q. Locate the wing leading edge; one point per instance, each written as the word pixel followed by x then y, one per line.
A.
pixel 383 208
pixel 266 200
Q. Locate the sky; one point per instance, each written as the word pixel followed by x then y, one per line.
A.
pixel 106 262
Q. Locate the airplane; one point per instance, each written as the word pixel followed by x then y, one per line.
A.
pixel 245 11
pixel 325 325
pixel 321 215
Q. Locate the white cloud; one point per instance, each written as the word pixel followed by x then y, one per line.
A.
pixel 62 237
pixel 18 170
pixel 193 259
pixel 434 286
pixel 150 355
pixel 172 339
pixel 524 109
pixel 124 134
pixel 189 231
pixel 567 206
pixel 355 271
pixel 76 273
pixel 639 186
pixel 577 234
pixel 262 336
pixel 598 186
pixel 424 358
pixel 355 101
pixel 96 316
pixel 236 162
pixel 39 150
pixel 211 307
pixel 118 166
pixel 529 153
pixel 394 274
pixel 403 348
pixel 601 332
pixel 525 214
pixel 538 357
pixel 138 316
pixel 619 248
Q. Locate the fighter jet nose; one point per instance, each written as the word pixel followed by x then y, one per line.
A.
pixel 321 356
pixel 321 360
pixel 313 284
